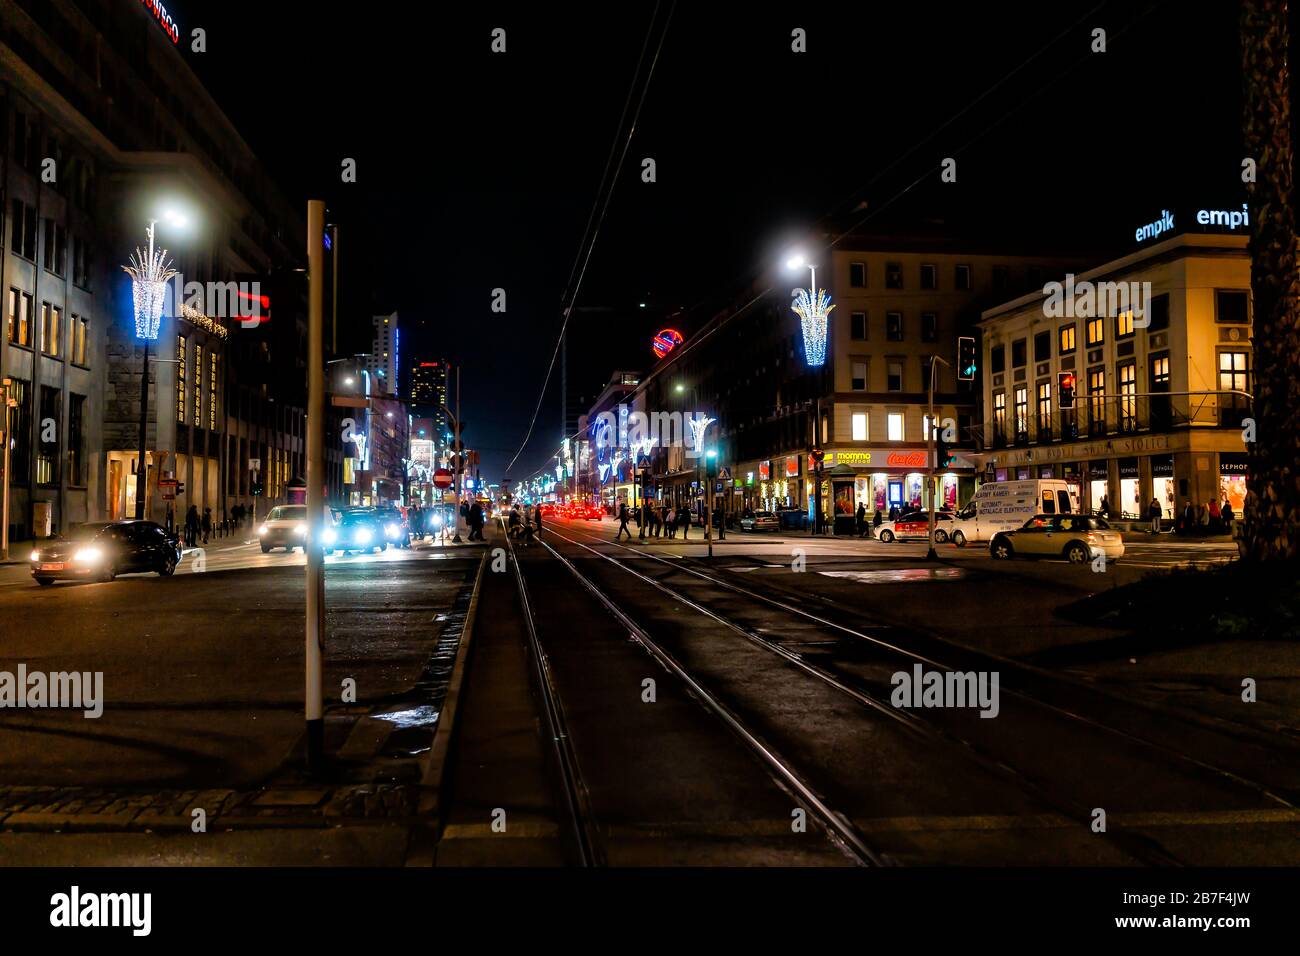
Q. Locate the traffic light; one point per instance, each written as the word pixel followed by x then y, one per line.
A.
pixel 966 363
pixel 1065 389
pixel 711 463
pixel 180 487
pixel 255 489
pixel 943 455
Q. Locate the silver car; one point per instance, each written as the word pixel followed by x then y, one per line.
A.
pixel 1077 538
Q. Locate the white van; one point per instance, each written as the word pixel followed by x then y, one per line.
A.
pixel 1006 505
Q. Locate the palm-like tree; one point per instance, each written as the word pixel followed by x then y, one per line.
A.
pixel 1272 512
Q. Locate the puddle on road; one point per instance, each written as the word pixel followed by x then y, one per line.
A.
pixel 426 715
pixel 899 576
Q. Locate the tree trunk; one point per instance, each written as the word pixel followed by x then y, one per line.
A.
pixel 1272 512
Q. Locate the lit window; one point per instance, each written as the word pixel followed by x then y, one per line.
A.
pixel 896 430
pixel 859 426
pixel 1096 331
pixel 1067 339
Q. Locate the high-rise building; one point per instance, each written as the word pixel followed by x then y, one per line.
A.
pixel 385 347
pixel 429 394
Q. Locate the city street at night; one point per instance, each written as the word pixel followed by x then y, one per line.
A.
pixel 842 456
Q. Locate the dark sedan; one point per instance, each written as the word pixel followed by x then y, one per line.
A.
pixel 102 551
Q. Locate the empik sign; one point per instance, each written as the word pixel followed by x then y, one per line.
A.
pixel 1210 220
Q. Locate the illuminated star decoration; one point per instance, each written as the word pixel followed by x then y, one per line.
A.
pixel 699 426
pixel 813 306
pixel 149 278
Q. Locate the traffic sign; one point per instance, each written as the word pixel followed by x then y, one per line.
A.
pixel 442 478
pixel 254 464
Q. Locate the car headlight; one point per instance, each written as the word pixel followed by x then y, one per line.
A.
pixel 362 536
pixel 87 555
pixel 390 529
pixel 262 530
pixel 300 529
pixel 36 556
pixel 329 536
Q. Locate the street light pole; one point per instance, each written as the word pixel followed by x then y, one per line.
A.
pixel 313 710
pixel 9 402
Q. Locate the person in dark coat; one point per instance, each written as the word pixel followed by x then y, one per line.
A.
pixel 1153 512
pixel 207 524
pixel 622 523
pixel 537 514
pixel 476 522
pixel 861 519
pixel 878 520
pixel 684 519
pixel 191 527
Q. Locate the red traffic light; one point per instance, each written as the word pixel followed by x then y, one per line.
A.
pixel 1067 380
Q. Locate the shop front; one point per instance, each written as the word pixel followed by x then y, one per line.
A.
pixel 1233 470
pixel 882 480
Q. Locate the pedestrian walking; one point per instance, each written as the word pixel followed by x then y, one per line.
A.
pixel 207 524
pixel 670 522
pixel 1154 512
pixel 684 518
pixel 1216 518
pixel 860 520
pixel 1226 514
pixel 1105 506
pixel 191 526
pixel 476 522
pixel 622 523
pixel 877 521
pixel 1203 518
pixel 537 515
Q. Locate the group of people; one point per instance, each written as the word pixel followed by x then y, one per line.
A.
pixel 519 525
pixel 1209 518
pixel 865 528
pixel 661 520
pixel 199 528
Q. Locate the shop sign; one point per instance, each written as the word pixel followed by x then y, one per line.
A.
pixel 1128 468
pixel 792 467
pixel 1162 467
pixel 1234 463
pixel 764 470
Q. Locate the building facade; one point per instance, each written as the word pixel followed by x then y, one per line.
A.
pixel 103 125
pixel 1162 383
pixel 384 360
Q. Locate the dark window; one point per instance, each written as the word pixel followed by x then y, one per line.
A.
pixel 56 247
pixel 926 366
pixel 858 275
pixel 1159 314
pixel 998 359
pixel 1042 346
pixel 1001 278
pixel 1232 306
pixel 1018 353
pixel 858 325
pixel 893 275
pixel 23 230
pixel 895 377
pixel 47 452
pixel 929 327
pixel 894 326
pixel 962 278
pixel 76 440
pixel 929 276
pixel 21 421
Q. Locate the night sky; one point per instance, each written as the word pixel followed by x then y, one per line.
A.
pixel 479 170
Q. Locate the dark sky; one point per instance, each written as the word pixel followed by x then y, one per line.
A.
pixel 478 170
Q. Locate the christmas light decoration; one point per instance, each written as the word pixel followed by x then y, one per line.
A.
pixel 150 272
pixel 699 425
pixel 813 306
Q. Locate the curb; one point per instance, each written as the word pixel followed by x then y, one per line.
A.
pixel 423 840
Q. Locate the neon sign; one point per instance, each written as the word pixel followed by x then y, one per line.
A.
pixel 665 341
pixel 170 27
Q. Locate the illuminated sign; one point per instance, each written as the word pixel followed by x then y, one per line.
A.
pixel 164 19
pixel 665 341
pixel 1229 220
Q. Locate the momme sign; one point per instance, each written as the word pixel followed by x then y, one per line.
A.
pixel 164 19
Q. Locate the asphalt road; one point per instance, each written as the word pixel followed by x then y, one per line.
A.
pixel 203 672
pixel 1178 783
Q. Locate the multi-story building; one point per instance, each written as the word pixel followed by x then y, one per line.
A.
pixel 1161 387
pixel 601 457
pixel 429 396
pixel 899 300
pixel 385 347
pixel 103 125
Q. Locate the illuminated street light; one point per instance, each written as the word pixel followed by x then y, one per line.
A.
pixel 813 306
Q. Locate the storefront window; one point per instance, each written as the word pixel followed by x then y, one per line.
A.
pixel 861 493
pixel 948 492
pixel 913 490
pixel 1130 495
pixel 879 492
pixel 1232 481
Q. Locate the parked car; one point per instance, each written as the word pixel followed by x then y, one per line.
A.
pixel 760 521
pixel 1077 538
pixel 356 531
pixel 103 550
pixel 916 525
pixel 285 527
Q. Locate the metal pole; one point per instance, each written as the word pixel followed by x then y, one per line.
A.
pixel 708 506
pixel 140 468
pixel 314 711
pixel 334 323
pixel 930 554
pixel 4 518
pixel 460 454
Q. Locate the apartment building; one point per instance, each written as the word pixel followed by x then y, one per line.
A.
pixel 1162 383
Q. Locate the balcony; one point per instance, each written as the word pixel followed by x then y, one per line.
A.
pixel 1126 415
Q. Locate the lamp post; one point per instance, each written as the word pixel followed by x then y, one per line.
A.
pixel 150 272
pixel 7 402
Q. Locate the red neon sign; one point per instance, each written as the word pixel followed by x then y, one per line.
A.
pixel 665 341
pixel 901 459
pixel 164 19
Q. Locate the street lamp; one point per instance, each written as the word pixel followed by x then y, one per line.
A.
pixel 150 272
